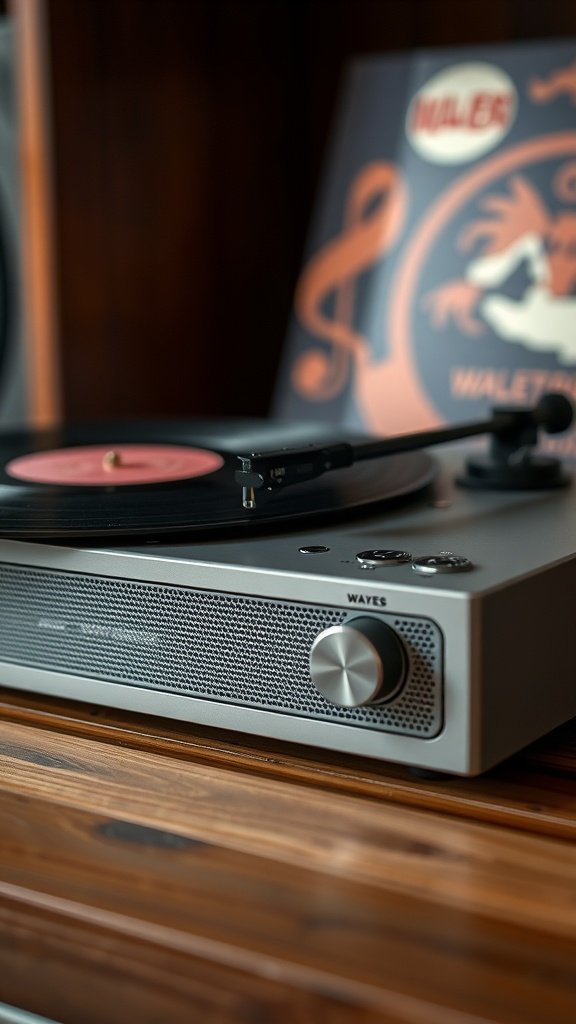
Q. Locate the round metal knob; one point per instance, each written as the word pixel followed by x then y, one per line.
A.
pixel 359 662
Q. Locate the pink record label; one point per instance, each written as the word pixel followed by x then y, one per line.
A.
pixel 114 465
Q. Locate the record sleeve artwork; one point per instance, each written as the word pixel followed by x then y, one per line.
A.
pixel 442 266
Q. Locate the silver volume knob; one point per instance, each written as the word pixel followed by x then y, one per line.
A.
pixel 358 662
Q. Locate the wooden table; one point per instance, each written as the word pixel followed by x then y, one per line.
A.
pixel 155 873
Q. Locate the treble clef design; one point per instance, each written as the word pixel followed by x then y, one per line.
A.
pixel 374 216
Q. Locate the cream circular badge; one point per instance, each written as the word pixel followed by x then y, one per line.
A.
pixel 461 113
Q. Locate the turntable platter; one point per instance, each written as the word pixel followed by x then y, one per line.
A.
pixel 162 478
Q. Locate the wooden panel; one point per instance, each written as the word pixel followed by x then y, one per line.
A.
pixel 177 245
pixel 356 944
pixel 534 791
pixel 39 287
pixel 506 874
pixel 157 865
pixel 85 972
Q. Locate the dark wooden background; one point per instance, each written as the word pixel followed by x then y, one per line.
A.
pixel 188 140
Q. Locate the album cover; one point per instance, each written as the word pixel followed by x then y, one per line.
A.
pixel 440 276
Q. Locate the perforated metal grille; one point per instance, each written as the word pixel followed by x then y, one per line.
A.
pixel 241 650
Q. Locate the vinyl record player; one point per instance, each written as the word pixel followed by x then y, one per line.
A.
pixel 434 630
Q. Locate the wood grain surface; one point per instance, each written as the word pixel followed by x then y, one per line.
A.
pixel 146 869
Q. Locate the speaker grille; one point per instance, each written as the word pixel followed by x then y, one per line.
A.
pixel 237 649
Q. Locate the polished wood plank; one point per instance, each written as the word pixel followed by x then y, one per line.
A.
pixel 86 973
pixel 263 881
pixel 535 791
pixel 354 943
pixel 511 876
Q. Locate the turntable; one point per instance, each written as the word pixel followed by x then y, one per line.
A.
pixel 357 595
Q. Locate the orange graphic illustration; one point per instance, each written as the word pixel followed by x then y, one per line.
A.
pixel 374 217
pixel 515 228
pixel 565 183
pixel 456 300
pixel 561 82
pixel 520 232
pixel 333 271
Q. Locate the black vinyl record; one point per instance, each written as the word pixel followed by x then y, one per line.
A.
pixel 210 503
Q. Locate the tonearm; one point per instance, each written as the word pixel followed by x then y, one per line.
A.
pixel 511 463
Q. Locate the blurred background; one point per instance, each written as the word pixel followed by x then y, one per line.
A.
pixel 168 159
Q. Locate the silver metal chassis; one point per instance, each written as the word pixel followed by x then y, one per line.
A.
pixel 507 625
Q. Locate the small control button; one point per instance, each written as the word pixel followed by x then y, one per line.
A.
pixel 383 556
pixel 445 561
pixel 313 549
